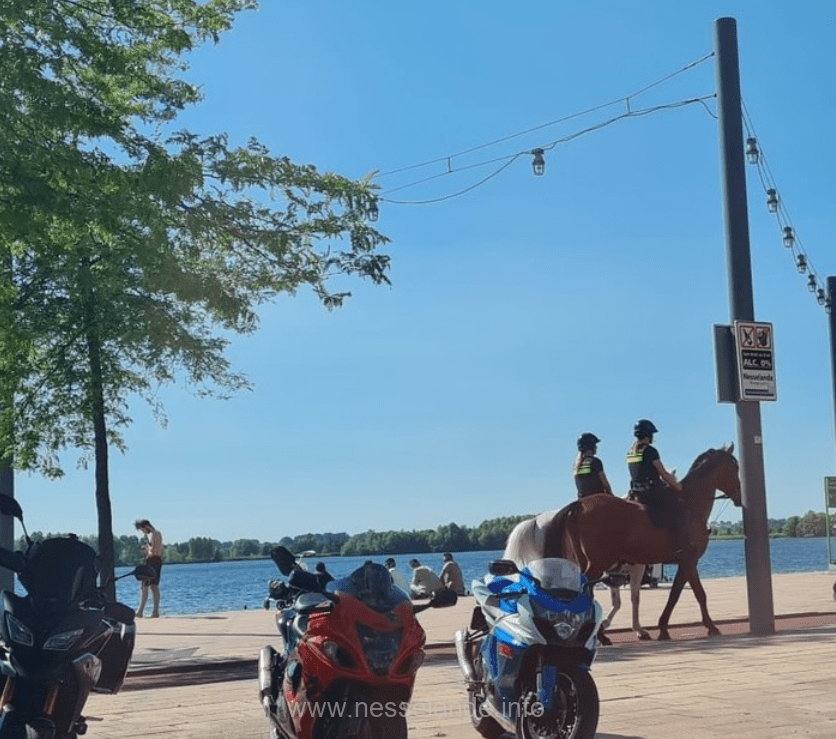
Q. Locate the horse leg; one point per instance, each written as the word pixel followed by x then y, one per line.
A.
pixel 636 575
pixel 673 597
pixel 699 594
pixel 615 597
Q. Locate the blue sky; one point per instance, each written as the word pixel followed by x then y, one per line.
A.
pixel 522 312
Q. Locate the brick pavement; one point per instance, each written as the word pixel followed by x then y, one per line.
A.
pixel 736 685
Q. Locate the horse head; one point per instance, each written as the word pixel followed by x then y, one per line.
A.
pixel 721 467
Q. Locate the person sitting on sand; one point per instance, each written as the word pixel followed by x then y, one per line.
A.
pixel 424 581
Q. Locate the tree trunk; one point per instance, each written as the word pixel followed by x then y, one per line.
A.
pixel 97 408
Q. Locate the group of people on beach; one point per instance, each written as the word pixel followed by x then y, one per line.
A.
pixel 424 581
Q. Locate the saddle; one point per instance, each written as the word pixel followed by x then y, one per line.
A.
pixel 659 502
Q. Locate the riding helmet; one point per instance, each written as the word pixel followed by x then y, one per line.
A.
pixel 643 428
pixel 587 441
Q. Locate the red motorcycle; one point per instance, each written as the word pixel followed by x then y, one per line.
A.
pixel 350 655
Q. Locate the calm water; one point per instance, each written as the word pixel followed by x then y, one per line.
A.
pixel 231 586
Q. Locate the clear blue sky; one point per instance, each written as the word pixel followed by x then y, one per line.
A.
pixel 521 313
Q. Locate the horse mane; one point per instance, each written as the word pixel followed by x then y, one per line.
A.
pixel 704 463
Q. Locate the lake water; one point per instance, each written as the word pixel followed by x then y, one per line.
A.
pixel 232 586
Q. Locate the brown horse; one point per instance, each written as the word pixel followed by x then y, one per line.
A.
pixel 601 531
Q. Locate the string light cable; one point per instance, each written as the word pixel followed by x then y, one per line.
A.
pixel 775 204
pixel 504 161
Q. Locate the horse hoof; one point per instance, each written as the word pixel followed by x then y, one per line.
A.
pixel 663 636
pixel 714 632
pixel 605 640
pixel 644 636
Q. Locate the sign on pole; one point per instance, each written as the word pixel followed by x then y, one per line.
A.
pixel 755 360
pixel 829 504
pixel 830 490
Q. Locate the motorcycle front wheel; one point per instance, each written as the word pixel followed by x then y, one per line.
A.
pixel 574 711
pixel 484 724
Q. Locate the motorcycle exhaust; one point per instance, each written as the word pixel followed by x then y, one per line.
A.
pixel 266 658
pixel 463 655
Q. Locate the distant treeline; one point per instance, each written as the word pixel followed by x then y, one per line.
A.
pixel 488 535
pixel 810 524
pixel 451 537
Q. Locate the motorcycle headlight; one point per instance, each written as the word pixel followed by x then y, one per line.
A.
pixel 18 631
pixel 63 641
pixel 566 624
pixel 380 647
pixel 337 654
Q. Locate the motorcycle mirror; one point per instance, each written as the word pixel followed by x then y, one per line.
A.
pixel 10 507
pixel 443 598
pixel 283 559
pixel 503 567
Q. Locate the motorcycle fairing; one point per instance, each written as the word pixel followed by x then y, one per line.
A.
pixel 328 684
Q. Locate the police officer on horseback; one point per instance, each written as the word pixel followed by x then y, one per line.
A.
pixel 651 483
pixel 589 470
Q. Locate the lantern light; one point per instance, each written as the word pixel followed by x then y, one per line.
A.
pixel 821 297
pixel 801 263
pixel 752 153
pixel 772 200
pixel 539 163
pixel 811 283
pixel 789 237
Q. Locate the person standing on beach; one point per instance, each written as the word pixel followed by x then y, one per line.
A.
pixel 153 550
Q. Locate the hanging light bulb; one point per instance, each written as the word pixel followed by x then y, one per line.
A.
pixel 789 237
pixel 801 263
pixel 752 153
pixel 772 200
pixel 827 305
pixel 373 210
pixel 539 164
pixel 821 297
pixel 811 283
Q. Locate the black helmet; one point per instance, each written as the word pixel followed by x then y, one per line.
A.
pixel 644 427
pixel 587 441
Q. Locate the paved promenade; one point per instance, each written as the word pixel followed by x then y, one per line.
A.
pixel 194 677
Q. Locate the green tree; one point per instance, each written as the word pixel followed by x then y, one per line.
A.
pixel 245 548
pixel 203 549
pixel 135 251
pixel 812 524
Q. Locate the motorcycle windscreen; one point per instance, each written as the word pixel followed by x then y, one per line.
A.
pixel 372 584
pixel 59 572
pixel 555 573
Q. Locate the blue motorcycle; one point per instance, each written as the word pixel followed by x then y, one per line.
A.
pixel 527 653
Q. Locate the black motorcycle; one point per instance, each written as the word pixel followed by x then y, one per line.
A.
pixel 62 640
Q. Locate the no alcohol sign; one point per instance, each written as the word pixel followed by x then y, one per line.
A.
pixel 755 360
